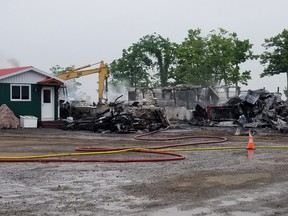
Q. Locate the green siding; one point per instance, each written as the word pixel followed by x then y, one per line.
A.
pixel 32 107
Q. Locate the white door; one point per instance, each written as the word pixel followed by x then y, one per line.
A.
pixel 47 102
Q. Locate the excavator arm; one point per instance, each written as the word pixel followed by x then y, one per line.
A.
pixel 79 72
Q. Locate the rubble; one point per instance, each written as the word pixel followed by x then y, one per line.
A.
pixel 251 109
pixel 258 108
pixel 122 118
pixel 7 118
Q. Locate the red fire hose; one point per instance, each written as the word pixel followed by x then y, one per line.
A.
pixel 95 150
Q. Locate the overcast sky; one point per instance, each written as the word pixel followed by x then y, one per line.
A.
pixel 79 32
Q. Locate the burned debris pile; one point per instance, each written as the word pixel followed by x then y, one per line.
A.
pixel 119 117
pixel 258 108
pixel 7 118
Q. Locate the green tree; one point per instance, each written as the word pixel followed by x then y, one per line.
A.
pixel 212 59
pixel 275 56
pixel 162 53
pixel 152 53
pixel 242 52
pixel 226 53
pixel 132 68
pixel 192 65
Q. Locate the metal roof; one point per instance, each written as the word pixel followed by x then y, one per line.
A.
pixel 7 71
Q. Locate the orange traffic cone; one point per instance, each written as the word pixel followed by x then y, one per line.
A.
pixel 250 145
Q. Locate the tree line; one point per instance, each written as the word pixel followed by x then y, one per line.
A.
pixel 200 60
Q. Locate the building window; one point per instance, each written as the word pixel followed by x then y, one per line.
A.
pixel 20 92
pixel 46 96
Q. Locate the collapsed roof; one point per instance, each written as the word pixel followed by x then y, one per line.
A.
pixel 254 108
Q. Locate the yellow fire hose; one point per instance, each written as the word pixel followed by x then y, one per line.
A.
pixel 136 149
pixel 163 150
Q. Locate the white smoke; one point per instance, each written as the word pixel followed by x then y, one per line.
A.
pixel 88 91
pixel 116 90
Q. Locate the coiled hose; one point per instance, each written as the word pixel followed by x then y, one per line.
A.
pixel 162 150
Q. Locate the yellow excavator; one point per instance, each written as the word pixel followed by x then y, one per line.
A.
pixel 79 72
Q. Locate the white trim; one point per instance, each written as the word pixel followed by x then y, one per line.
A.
pixel 20 85
pixel 52 105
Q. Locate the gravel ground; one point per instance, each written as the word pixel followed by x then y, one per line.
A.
pixel 226 182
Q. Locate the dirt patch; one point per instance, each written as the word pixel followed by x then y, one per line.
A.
pixel 205 183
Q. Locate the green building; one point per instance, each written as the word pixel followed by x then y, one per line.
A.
pixel 30 91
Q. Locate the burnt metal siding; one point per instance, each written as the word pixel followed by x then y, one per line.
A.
pixel 32 107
